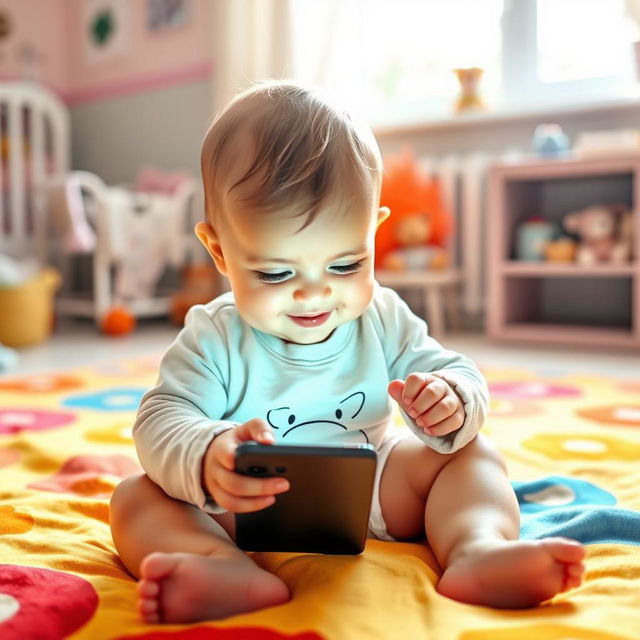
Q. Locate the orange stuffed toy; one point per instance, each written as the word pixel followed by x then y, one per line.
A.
pixel 416 234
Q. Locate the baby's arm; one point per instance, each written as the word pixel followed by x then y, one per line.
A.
pixel 179 418
pixel 230 490
pixel 451 394
pixel 430 402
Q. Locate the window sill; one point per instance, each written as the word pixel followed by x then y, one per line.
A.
pixel 507 115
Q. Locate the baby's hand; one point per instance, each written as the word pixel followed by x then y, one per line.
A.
pixel 234 491
pixel 430 401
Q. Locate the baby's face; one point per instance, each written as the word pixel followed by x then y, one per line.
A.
pixel 300 285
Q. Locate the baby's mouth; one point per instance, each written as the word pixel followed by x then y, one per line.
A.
pixel 311 320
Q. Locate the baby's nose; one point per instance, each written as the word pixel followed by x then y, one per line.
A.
pixel 310 291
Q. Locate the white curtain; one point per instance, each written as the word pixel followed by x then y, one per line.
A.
pixel 252 40
pixel 307 40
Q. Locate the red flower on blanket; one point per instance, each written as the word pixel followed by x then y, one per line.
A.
pixel 44 604
pixel 230 633
pixel 94 476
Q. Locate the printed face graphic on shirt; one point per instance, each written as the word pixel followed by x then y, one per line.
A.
pixel 297 284
pixel 296 425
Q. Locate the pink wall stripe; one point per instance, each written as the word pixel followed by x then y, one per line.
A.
pixel 139 84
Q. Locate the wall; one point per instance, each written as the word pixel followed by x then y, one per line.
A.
pixel 37 29
pixel 146 102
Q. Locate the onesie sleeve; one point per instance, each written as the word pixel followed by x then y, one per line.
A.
pixel 181 415
pixel 409 349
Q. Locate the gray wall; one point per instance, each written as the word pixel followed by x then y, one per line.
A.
pixel 164 128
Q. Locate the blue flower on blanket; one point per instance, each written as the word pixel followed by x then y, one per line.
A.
pixel 561 506
pixel 559 491
pixel 117 399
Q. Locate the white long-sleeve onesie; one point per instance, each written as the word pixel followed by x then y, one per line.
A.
pixel 220 372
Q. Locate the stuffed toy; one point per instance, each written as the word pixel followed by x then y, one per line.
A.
pixel 603 234
pixel 415 235
pixel 200 284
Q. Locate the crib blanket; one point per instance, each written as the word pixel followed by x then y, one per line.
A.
pixel 572 443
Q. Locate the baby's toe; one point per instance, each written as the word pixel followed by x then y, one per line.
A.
pixel 565 550
pixel 148 588
pixel 148 609
pixel 157 566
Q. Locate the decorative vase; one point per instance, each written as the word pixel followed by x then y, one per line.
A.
pixel 469 98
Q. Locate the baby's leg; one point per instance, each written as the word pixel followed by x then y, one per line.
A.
pixel 470 515
pixel 188 567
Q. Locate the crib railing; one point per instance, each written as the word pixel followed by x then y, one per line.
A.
pixel 34 137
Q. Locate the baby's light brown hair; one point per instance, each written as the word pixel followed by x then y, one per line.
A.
pixel 280 146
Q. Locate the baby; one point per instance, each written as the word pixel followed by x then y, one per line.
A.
pixel 307 339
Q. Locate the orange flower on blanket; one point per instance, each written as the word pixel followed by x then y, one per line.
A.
pixel 94 476
pixel 12 521
pixel 548 631
pixel 627 415
pixel 44 383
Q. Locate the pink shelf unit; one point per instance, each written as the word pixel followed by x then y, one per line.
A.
pixel 570 304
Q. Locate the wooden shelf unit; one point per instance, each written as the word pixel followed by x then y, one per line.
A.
pixel 596 305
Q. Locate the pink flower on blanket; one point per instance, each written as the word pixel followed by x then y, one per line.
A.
pixel 94 476
pixel 533 389
pixel 16 420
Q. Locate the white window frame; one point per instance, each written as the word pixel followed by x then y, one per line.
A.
pixel 520 83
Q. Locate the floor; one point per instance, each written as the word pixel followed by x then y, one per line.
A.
pixel 76 343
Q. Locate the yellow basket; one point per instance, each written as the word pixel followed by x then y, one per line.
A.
pixel 26 311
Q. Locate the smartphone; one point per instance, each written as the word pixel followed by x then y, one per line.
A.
pixel 325 510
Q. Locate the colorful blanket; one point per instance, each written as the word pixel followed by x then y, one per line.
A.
pixel 573 448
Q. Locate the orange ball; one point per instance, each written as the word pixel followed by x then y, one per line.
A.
pixel 118 321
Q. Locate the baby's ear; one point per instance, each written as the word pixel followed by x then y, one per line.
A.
pixel 383 214
pixel 211 242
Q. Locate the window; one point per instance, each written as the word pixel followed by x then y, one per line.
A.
pixel 393 60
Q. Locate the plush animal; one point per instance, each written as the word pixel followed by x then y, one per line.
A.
pixel 413 234
pixel 602 232
pixel 416 234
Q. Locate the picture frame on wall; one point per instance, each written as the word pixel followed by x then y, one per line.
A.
pixel 106 26
pixel 165 15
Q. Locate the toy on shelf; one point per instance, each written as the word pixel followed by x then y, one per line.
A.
pixel 550 140
pixel 562 249
pixel 531 238
pixel 604 233
pixel 415 235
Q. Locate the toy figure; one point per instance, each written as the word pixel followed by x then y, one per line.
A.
pixel 604 232
pixel 413 233
pixel 416 234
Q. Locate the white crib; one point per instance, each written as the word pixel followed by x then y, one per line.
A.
pixel 34 170
pixel 34 134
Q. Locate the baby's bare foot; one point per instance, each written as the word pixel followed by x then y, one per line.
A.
pixel 183 587
pixel 513 574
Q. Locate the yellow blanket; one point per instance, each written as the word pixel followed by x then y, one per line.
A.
pixel 573 448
